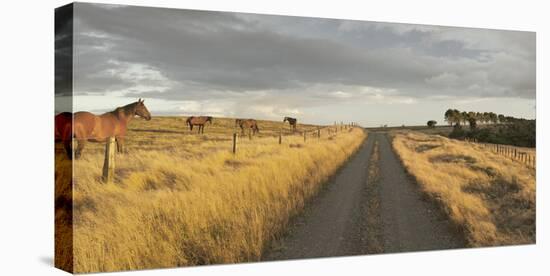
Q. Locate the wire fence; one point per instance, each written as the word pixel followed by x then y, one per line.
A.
pixel 311 134
pixel 521 155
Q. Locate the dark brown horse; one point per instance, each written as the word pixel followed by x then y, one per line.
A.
pixel 97 128
pixel 292 122
pixel 64 130
pixel 250 124
pixel 198 121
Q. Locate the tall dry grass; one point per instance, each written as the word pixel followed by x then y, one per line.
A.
pixel 184 199
pixel 489 195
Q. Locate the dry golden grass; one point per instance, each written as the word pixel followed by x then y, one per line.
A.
pixel 184 199
pixel 489 195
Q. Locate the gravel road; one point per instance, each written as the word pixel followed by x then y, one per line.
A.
pixel 334 223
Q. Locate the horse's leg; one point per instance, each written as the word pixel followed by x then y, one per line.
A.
pixel 120 145
pixel 67 143
pixel 79 148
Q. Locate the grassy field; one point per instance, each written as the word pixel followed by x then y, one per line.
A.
pixel 181 199
pixel 490 196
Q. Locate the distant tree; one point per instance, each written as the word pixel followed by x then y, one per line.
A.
pixel 457 116
pixel 449 116
pixel 493 117
pixel 472 114
pixel 453 116
pixel 486 117
pixel 432 123
pixel 479 117
pixel 501 118
pixel 473 123
pixel 464 117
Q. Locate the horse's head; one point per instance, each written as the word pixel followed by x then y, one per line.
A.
pixel 237 122
pixel 141 110
pixel 209 119
pixel 284 120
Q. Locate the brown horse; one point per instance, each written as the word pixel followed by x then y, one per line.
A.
pixel 198 121
pixel 90 127
pixel 64 130
pixel 292 122
pixel 247 124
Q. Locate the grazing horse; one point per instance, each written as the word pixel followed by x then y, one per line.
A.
pixel 292 122
pixel 97 128
pixel 64 130
pixel 198 121
pixel 249 124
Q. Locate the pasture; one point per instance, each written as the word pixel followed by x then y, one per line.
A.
pixel 180 198
pixel 490 196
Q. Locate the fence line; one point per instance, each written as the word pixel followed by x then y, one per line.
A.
pixel 110 146
pixel 530 159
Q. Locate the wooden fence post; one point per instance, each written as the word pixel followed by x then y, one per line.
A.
pixel 280 136
pixel 109 162
pixel 515 154
pixel 234 142
pixel 319 133
pixel 521 156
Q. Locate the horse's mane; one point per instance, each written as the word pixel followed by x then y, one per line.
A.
pixel 128 109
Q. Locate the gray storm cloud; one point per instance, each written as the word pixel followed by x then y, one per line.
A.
pixel 290 62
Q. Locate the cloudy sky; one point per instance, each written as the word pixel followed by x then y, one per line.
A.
pixel 320 70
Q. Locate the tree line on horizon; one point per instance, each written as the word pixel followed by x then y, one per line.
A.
pixel 457 117
pixel 500 129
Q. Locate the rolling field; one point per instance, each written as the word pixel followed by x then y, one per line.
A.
pixel 490 196
pixel 181 198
